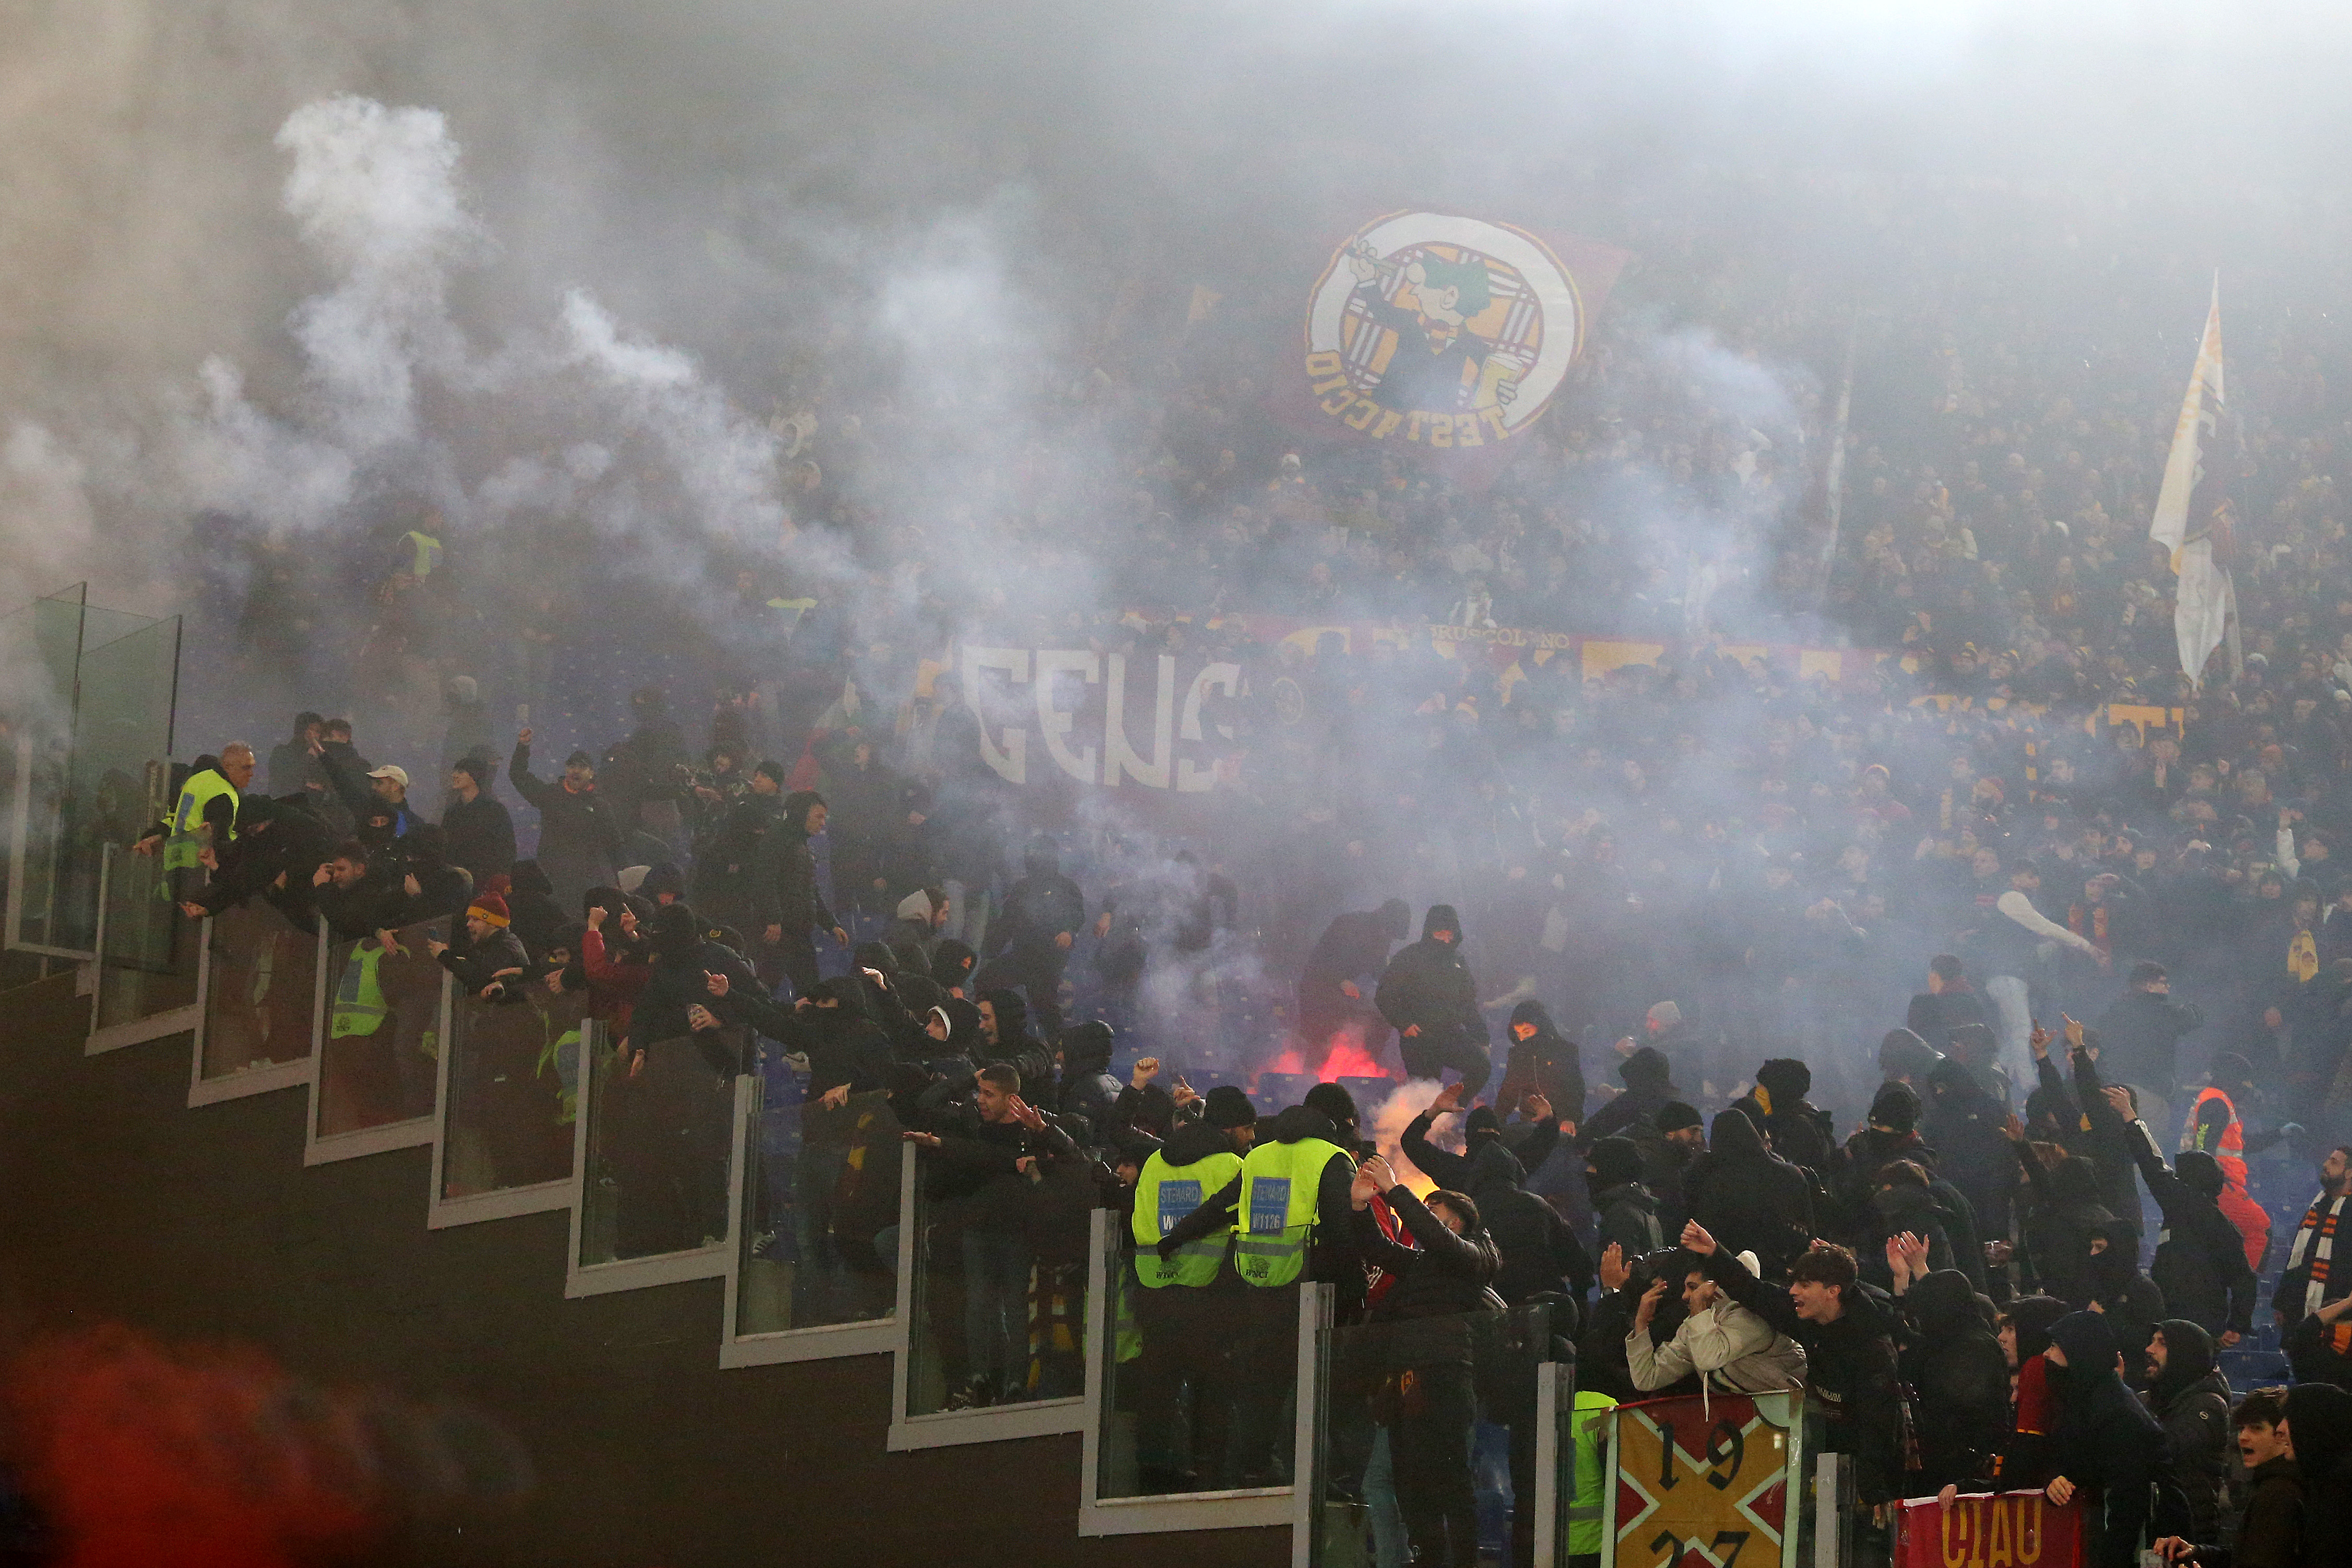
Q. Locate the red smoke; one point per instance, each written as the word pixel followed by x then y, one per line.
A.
pixel 1346 1057
pixel 138 1455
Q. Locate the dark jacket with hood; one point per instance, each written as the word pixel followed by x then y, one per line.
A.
pixel 1899 1208
pixel 2066 1215
pixel 1802 1132
pixel 1429 985
pixel 1332 1254
pixel 790 871
pixel 1955 1366
pixel 1354 946
pixel 2320 1415
pixel 2191 1402
pixel 1649 1085
pixel 2105 1440
pixel 682 961
pixel 1088 1088
pixel 1747 1197
pixel 2200 1259
pixel 1545 1062
pixel 2270 1527
pixel 481 833
pixel 1626 1211
pixel 277 836
pixel 1539 1252
pixel 2141 1036
pixel 1850 1370
pixel 952 966
pixel 530 906
pixel 1041 906
pixel 841 1042
pixel 1973 1152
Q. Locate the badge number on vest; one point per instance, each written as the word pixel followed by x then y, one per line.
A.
pixel 1269 1205
pixel 1177 1199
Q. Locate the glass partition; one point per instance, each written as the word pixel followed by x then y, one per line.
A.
pixel 997 1306
pixel 147 951
pixel 513 1090
pixel 659 1135
pixel 819 1240
pixel 125 685
pixel 380 1037
pixel 1173 1379
pixel 39 646
pixel 261 994
pixel 1428 1439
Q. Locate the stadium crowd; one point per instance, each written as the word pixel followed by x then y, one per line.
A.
pixel 1670 912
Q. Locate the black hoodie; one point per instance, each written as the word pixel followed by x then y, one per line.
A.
pixel 1626 1211
pixel 531 903
pixel 2320 1415
pixel 1538 1250
pixel 1354 946
pixel 1429 986
pixel 2200 1259
pixel 1955 1365
pixel 1041 906
pixel 2105 1439
pixel 1748 1198
pixel 2191 1402
pixel 1542 1063
pixel 1649 1085
pixel 790 871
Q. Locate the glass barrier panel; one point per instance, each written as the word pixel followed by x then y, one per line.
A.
pixel 660 1130
pixel 820 1233
pixel 514 1090
pixel 999 1305
pixel 1174 1393
pixel 125 683
pixel 384 1030
pixel 261 985
pixel 1427 1441
pixel 148 963
pixel 39 646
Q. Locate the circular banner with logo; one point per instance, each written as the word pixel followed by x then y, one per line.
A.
pixel 1437 332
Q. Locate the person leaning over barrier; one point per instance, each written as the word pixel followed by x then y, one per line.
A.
pixel 1733 1349
pixel 1846 1329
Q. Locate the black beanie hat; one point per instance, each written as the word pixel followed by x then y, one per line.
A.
pixel 1674 1117
pixel 2199 1172
pixel 1228 1106
pixel 1483 1120
pixel 1785 1078
pixel 1332 1101
pixel 1614 1162
pixel 1895 1107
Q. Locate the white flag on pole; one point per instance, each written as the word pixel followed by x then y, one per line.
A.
pixel 2194 520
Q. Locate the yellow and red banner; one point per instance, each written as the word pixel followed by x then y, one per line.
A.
pixel 1988 1529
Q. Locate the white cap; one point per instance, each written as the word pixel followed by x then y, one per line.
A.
pixel 398 775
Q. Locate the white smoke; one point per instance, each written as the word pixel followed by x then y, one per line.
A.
pixel 374 192
pixel 726 463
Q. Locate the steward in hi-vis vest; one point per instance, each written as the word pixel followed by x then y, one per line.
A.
pixel 360 1007
pixel 1185 1313
pixel 1290 1199
pixel 1167 1191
